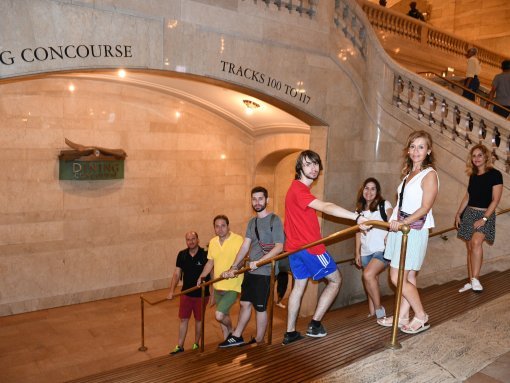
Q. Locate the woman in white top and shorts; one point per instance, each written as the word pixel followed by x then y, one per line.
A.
pixel 370 245
pixel 420 185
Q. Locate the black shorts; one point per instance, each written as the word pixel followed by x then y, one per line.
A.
pixel 255 289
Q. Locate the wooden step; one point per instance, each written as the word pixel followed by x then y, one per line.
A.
pixel 351 336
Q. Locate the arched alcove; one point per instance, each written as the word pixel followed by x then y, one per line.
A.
pixel 188 160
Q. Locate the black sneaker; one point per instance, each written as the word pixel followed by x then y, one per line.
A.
pixel 316 332
pixel 231 341
pixel 176 350
pixel 290 337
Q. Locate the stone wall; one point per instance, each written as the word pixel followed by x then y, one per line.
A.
pixel 65 243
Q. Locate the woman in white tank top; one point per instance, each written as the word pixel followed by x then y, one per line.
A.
pixel 417 194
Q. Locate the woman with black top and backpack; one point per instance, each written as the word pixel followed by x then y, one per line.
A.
pixel 370 245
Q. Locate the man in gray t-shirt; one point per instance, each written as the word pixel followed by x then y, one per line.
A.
pixel 501 88
pixel 264 239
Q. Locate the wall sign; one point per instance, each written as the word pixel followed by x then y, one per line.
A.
pixel 90 163
pixel 262 78
pixel 65 52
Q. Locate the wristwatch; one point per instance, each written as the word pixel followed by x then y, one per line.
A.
pixel 485 218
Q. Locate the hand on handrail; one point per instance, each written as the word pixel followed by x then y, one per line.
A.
pixel 395 225
pixel 228 274
pixel 362 227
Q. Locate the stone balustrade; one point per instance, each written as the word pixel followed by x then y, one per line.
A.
pixel 398 23
pixel 456 120
pixel 464 122
pixel 352 27
pixel 308 7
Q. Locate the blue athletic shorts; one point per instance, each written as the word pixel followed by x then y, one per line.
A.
pixel 307 265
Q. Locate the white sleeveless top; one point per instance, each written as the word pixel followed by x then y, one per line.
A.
pixel 413 194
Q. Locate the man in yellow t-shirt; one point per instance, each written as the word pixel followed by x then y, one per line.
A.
pixel 221 254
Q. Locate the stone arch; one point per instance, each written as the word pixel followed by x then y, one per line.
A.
pixel 275 172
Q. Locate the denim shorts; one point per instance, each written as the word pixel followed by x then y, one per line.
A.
pixel 365 259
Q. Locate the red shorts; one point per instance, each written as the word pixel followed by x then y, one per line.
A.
pixel 189 304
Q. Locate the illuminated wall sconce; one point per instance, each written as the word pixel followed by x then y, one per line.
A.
pixel 250 106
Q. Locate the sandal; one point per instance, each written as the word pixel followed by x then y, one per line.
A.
pixel 388 321
pixel 423 325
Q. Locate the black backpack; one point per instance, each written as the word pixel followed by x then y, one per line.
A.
pixel 382 211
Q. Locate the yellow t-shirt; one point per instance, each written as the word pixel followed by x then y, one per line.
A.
pixel 223 257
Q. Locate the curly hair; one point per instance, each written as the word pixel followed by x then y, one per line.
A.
pixel 429 160
pixel 470 167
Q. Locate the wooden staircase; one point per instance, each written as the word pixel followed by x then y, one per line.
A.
pixel 351 336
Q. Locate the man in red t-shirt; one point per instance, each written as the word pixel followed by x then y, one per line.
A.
pixel 302 227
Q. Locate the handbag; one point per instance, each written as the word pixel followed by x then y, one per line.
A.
pixel 416 225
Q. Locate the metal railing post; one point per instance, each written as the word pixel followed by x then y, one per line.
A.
pixel 142 347
pixel 270 304
pixel 202 318
pixel 394 344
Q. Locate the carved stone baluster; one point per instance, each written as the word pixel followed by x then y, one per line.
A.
pixel 496 137
pixel 482 130
pixel 444 115
pixel 313 7
pixel 469 122
pixel 421 100
pixel 410 95
pixel 400 89
pixel 289 6
pixel 432 108
pixel 467 141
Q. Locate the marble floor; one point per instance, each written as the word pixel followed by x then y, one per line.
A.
pixel 65 343
pixel 473 347
pixel 70 342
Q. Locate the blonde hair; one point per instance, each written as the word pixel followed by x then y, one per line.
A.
pixel 429 160
pixel 470 167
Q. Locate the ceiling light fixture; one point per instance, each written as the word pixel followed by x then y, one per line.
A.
pixel 250 106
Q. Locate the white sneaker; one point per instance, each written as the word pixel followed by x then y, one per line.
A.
pixel 466 287
pixel 477 286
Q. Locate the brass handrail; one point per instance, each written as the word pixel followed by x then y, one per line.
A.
pixel 398 296
pixel 436 233
pixel 453 83
pixel 342 233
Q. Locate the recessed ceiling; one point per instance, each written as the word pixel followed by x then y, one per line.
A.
pixel 228 103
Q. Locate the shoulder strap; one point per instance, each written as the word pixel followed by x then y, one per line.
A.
pixel 270 223
pixel 401 195
pixel 382 211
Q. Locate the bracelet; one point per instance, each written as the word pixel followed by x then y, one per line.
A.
pixel 357 218
pixel 485 218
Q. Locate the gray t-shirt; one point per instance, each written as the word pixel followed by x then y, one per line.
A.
pixel 501 83
pixel 267 237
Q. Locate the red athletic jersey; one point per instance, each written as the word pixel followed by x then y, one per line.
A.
pixel 301 224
